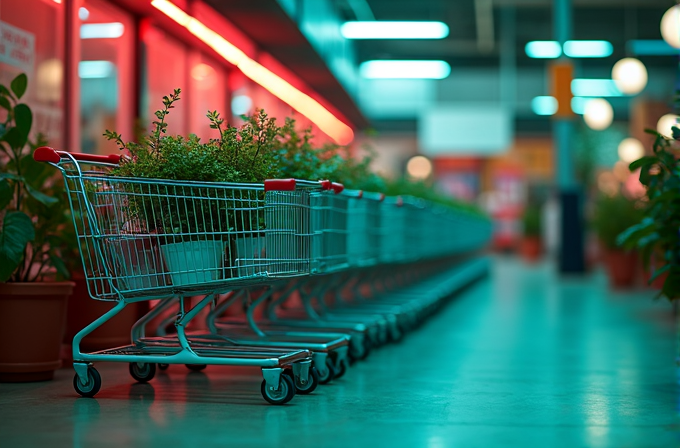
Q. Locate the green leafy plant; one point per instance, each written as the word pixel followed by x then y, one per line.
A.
pixel 613 215
pixel 240 155
pixel 656 236
pixel 33 239
pixel 531 221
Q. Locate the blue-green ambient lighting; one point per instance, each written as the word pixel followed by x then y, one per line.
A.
pixel 543 49
pixel 595 88
pixel 651 48
pixel 544 105
pixel 588 48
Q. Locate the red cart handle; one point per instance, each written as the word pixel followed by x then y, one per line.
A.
pixel 325 184
pixel 47 154
pixel 279 185
pixel 337 187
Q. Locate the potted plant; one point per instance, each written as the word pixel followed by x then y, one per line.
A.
pixel 32 245
pixel 656 235
pixel 613 215
pixel 531 246
pixel 192 225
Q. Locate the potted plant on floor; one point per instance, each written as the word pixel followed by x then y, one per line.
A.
pixel 656 236
pixel 613 215
pixel 32 245
pixel 531 246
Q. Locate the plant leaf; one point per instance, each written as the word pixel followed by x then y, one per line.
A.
pixel 17 232
pixel 4 91
pixel 4 103
pixel 19 85
pixel 23 119
pixel 659 272
pixel 643 161
pixel 5 193
pixel 41 197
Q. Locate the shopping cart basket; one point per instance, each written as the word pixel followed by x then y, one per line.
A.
pixel 144 239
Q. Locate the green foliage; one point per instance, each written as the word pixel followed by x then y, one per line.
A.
pixel 33 240
pixel 612 216
pixel 656 236
pixel 532 220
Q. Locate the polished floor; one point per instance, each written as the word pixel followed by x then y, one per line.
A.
pixel 521 359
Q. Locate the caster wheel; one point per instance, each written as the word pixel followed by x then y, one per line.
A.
pixel 328 376
pixel 312 383
pixel 341 369
pixel 94 383
pixel 142 372
pixel 163 366
pixel 285 393
pixel 196 367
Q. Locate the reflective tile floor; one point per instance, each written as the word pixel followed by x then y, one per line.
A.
pixel 520 359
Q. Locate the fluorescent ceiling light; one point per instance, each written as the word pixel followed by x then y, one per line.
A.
pixel 394 30
pixel 578 104
pixel 595 87
pixel 652 48
pixel 95 69
pixel 588 48
pixel 543 49
pixel 101 30
pixel 544 105
pixel 405 69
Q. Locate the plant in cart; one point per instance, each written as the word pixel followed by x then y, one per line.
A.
pixel 32 244
pixel 196 222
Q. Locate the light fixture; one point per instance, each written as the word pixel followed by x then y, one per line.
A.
pixel 111 30
pixel 670 26
pixel 594 87
pixel 665 123
pixel 405 69
pixel 419 167
pixel 544 105
pixel 277 86
pixel 598 114
pixel 394 30
pixel 588 48
pixel 241 105
pixel 83 13
pixel 578 104
pixel 657 47
pixel 621 171
pixel 95 69
pixel 630 149
pixel 608 183
pixel 630 76
pixel 543 49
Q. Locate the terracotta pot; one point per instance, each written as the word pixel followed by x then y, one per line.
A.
pixel 34 318
pixel 621 267
pixel 83 310
pixel 531 248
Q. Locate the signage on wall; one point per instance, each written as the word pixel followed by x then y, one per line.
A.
pixel 17 47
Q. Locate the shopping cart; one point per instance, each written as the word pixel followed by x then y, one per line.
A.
pixel 145 239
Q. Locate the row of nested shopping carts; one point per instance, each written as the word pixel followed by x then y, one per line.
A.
pixel 322 274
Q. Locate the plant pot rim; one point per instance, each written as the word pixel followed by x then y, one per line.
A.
pixel 35 289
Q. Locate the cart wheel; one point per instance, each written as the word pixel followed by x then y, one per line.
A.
pixel 196 367
pixel 285 393
pixel 163 366
pixel 357 354
pixel 311 384
pixel 142 372
pixel 94 383
pixel 330 373
pixel 341 370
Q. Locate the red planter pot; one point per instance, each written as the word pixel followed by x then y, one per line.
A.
pixel 531 248
pixel 621 267
pixel 34 319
